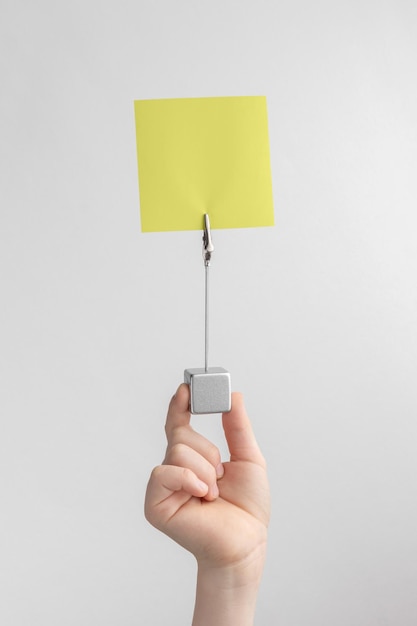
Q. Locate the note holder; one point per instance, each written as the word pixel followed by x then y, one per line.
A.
pixel 210 387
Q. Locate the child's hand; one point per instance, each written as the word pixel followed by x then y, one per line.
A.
pixel 219 512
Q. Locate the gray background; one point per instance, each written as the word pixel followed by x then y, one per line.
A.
pixel 315 318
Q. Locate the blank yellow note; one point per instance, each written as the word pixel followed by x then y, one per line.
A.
pixel 203 155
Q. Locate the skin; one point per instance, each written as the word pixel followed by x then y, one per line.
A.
pixel 218 511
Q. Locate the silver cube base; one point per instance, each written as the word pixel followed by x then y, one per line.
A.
pixel 210 391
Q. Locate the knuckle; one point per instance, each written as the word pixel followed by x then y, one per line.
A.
pixel 175 453
pixel 175 434
pixel 172 434
pixel 157 470
pixel 156 473
pixel 187 474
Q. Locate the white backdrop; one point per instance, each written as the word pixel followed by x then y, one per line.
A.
pixel 315 318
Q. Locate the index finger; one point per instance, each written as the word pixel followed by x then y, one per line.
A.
pixel 178 410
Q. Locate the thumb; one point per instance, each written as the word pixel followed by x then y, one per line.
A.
pixel 239 434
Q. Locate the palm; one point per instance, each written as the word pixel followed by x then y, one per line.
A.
pixel 227 529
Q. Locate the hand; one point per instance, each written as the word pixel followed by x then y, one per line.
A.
pixel 218 511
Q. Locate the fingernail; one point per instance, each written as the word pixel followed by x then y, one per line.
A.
pixel 219 470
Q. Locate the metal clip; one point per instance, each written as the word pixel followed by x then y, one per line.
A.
pixel 208 247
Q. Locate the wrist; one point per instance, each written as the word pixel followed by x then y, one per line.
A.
pixel 227 594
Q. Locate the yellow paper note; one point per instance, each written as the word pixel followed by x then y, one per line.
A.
pixel 203 155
